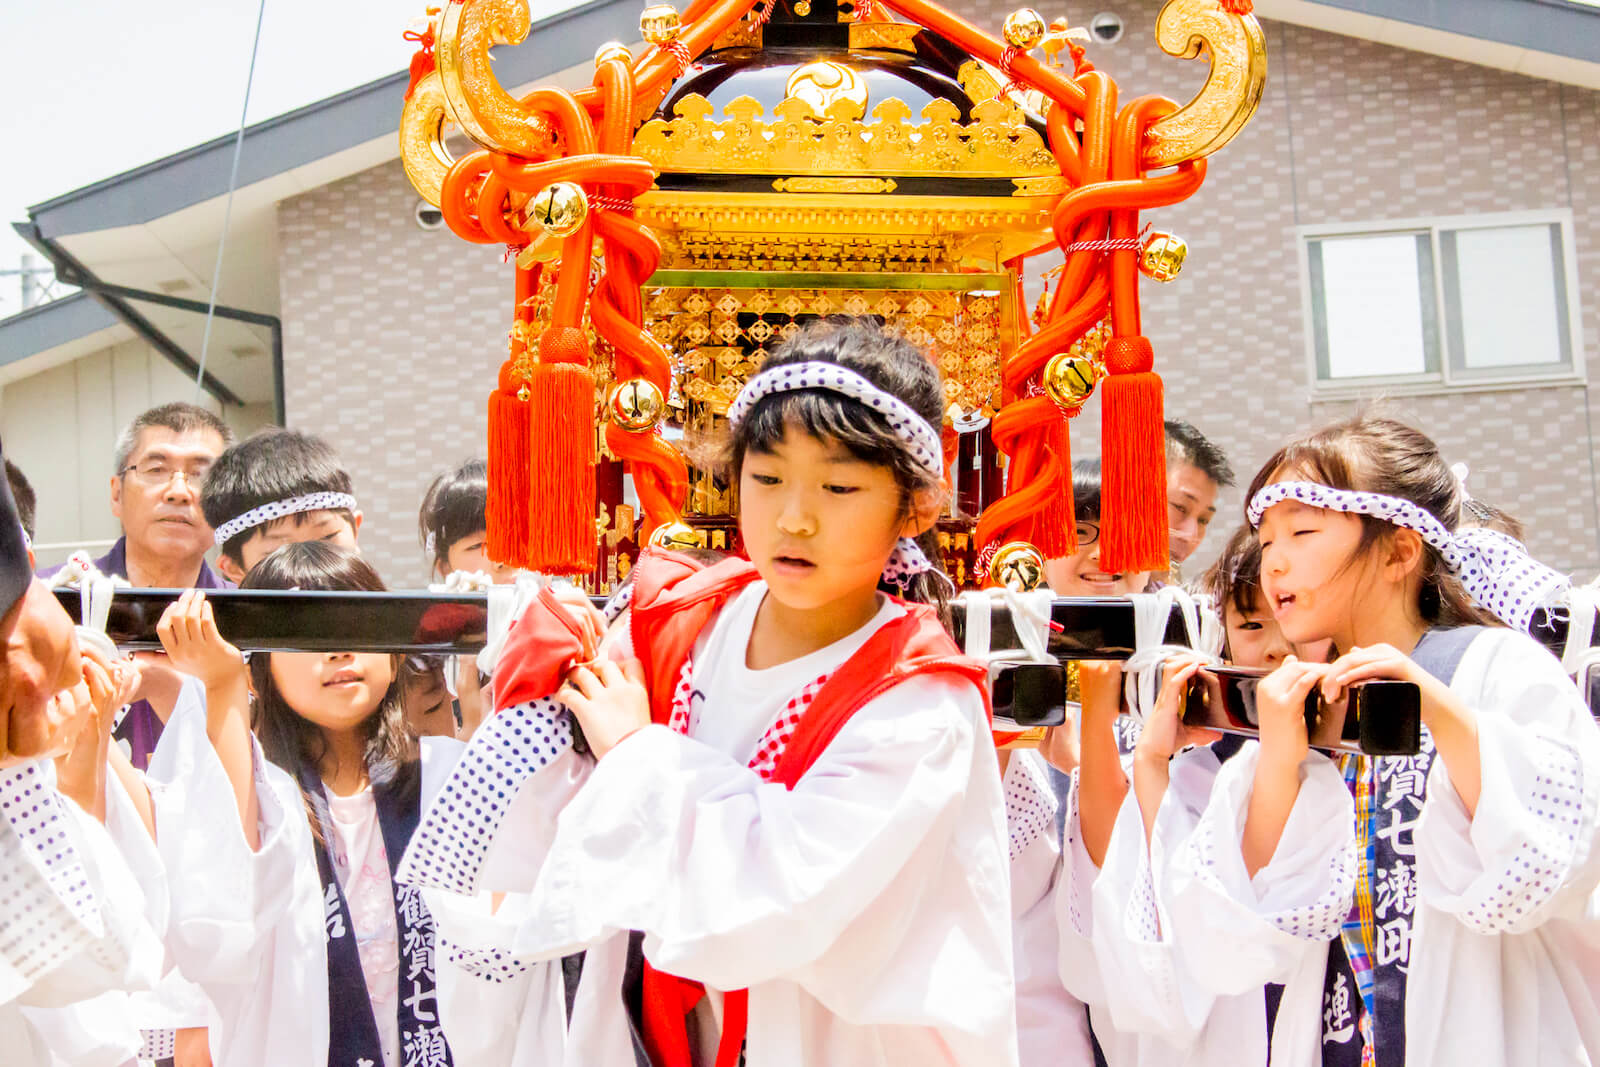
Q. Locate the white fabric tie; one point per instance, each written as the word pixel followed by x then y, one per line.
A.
pixel 463 582
pixel 1030 617
pixel 506 604
pixel 1582 604
pixel 1151 611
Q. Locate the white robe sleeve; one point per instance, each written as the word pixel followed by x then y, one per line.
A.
pixel 497 1009
pixel 49 912
pixel 736 882
pixel 1529 854
pixel 74 924
pixel 229 897
pixel 1052 1024
pixel 495 814
pixel 1145 990
pixel 246 926
pixel 1074 911
pixel 1237 933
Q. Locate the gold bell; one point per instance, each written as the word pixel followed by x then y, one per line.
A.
pixel 612 48
pixel 1017 566
pixel 560 209
pixel 659 24
pixel 675 536
pixel 636 405
pixel 1163 256
pixel 1024 28
pixel 1070 379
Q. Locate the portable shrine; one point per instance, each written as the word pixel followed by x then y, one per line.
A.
pixel 764 162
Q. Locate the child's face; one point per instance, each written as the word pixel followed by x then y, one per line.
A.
pixel 818 523
pixel 1080 575
pixel 1256 640
pixel 329 526
pixel 427 704
pixel 471 553
pixel 337 691
pixel 1307 577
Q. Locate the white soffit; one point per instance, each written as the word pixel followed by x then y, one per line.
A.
pixel 1484 53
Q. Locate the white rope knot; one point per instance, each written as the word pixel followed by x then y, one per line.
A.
pixel 463 582
pixel 1141 674
pixel 1030 618
pixel 1581 607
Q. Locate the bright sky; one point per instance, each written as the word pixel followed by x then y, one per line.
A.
pixel 95 87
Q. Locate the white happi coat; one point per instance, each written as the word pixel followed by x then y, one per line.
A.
pixel 249 927
pixel 77 927
pixel 1052 1024
pixel 1171 945
pixel 1505 942
pixel 867 910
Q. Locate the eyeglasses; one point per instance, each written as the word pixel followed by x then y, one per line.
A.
pixel 1088 533
pixel 161 472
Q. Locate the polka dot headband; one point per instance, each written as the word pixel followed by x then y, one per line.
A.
pixel 918 434
pixel 1495 569
pixel 277 509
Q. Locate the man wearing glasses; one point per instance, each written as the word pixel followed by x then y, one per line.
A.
pixel 160 464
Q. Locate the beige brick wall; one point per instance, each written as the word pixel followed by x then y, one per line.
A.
pixel 393 334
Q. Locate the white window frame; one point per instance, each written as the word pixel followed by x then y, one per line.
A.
pixel 1450 377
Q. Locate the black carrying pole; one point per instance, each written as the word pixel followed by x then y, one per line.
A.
pixel 418 622
pixel 295 620
pixel 1380 718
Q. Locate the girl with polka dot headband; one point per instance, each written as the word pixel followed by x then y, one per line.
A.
pixel 1476 858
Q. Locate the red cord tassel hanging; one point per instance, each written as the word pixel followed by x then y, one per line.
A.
pixel 506 517
pixel 1133 494
pixel 1056 528
pixel 561 489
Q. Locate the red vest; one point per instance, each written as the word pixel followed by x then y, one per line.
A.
pixel 674 599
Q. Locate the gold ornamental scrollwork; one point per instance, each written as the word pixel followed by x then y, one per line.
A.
pixel 997 143
pixel 885 36
pixel 480 104
pixel 1232 92
pixel 422 148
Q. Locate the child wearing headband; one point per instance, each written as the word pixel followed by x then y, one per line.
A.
pixel 296 789
pixel 1472 936
pixel 1186 946
pixel 274 488
pixel 786 841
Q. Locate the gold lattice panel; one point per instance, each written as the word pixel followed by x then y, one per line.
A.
pixel 719 335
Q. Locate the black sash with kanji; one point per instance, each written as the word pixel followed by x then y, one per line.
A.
pixel 352 1031
pixel 1364 992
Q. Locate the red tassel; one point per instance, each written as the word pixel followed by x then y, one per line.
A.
pixel 561 493
pixel 1056 526
pixel 1133 490
pixel 506 518
pixel 1237 7
pixel 422 62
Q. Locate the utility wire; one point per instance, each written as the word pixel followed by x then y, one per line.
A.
pixel 227 211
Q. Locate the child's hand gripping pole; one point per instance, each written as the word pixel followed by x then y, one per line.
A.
pixel 188 632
